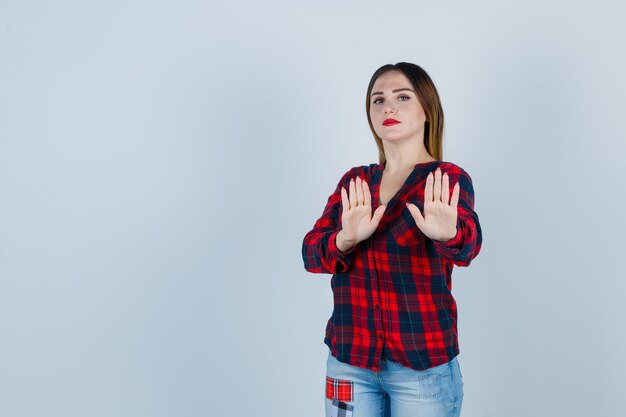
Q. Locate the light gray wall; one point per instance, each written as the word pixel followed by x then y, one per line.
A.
pixel 160 163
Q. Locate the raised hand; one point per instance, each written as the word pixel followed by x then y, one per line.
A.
pixel 357 221
pixel 440 212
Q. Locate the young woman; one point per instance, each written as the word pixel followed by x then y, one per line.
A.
pixel 390 234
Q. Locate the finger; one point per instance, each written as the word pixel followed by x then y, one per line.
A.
pixel 415 212
pixel 352 194
pixel 437 191
pixel 367 196
pixel 359 191
pixel 378 214
pixel 445 189
pixel 455 195
pixel 428 191
pixel 345 203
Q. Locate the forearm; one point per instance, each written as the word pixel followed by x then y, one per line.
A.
pixel 465 245
pixel 321 254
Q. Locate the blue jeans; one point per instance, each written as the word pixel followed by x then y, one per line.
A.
pixel 434 392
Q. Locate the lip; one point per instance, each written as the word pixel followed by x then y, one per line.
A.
pixel 390 122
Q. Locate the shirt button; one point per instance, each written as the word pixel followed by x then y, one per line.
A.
pixel 380 335
pixel 373 274
pixel 377 305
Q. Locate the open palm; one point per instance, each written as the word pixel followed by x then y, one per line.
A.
pixel 440 211
pixel 357 220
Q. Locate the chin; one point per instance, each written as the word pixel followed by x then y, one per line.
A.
pixel 393 137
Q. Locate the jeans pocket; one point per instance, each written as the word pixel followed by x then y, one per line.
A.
pixel 339 389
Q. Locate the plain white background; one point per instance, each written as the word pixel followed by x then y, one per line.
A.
pixel 161 162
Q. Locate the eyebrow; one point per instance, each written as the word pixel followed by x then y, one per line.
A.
pixel 393 91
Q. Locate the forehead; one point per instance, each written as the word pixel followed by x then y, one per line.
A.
pixel 391 80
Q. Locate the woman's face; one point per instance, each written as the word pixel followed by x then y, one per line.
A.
pixel 393 97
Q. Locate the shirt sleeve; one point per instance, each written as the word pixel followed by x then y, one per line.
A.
pixel 319 247
pixel 465 246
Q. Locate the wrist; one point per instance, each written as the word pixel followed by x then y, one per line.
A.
pixel 449 237
pixel 342 243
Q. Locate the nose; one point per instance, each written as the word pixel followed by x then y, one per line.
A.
pixel 389 109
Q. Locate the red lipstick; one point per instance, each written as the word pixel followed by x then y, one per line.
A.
pixel 390 122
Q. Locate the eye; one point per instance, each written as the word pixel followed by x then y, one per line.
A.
pixel 401 98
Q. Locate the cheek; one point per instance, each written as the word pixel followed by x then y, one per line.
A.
pixel 419 113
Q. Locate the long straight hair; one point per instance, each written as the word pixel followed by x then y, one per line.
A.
pixel 428 98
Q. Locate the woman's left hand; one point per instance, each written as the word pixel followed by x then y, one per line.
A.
pixel 440 213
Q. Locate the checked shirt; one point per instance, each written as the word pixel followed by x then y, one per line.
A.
pixel 392 292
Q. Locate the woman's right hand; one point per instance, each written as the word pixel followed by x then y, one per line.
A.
pixel 357 221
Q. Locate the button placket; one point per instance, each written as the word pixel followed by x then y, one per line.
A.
pixel 376 301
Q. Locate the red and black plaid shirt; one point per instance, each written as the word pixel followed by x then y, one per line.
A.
pixel 393 290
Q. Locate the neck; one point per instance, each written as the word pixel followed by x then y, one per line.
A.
pixel 393 165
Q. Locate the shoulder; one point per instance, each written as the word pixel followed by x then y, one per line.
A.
pixel 455 171
pixel 363 171
pixel 452 167
pixel 459 175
